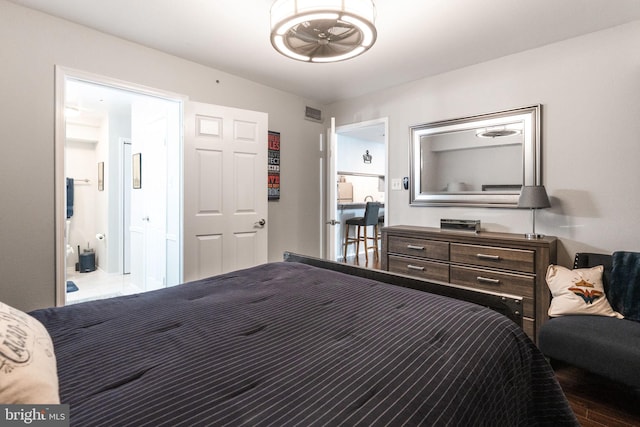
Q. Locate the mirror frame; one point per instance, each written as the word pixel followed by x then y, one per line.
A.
pixel 531 118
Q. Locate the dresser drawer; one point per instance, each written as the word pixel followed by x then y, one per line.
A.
pixel 499 263
pixel 423 248
pixel 489 256
pixel 494 281
pixel 419 268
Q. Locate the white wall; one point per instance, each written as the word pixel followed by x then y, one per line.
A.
pixel 590 91
pixel 350 151
pixel 109 210
pixel 81 158
pixel 31 44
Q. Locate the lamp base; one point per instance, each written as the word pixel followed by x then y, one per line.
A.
pixel 533 236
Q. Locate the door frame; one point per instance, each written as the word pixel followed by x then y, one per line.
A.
pixel 331 178
pixel 61 74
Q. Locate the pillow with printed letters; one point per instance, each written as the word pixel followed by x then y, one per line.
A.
pixel 578 291
pixel 28 372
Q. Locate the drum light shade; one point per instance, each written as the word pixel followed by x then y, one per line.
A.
pixel 322 30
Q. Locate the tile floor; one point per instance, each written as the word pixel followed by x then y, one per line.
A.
pixel 98 285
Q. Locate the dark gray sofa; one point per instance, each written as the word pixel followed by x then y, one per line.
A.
pixel 607 346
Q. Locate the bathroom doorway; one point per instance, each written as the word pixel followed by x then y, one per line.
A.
pixel 122 160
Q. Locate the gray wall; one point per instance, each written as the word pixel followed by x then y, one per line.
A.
pixel 31 44
pixel 590 91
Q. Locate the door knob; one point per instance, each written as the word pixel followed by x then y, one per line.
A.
pixel 145 218
pixel 333 222
pixel 260 223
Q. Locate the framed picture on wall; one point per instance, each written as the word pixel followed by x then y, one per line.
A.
pixel 101 176
pixel 137 171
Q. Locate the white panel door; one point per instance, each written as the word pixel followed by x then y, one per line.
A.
pixel 137 226
pixel 149 202
pixel 155 167
pixel 225 189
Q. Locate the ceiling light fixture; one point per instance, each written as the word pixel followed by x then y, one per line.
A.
pixel 71 111
pixel 322 30
pixel 499 131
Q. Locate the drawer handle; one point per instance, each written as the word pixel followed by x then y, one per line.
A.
pixel 488 280
pixel 491 257
pixel 415 267
pixel 418 248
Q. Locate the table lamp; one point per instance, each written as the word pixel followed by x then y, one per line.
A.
pixel 533 197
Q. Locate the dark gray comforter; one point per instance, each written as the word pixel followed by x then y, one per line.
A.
pixel 291 344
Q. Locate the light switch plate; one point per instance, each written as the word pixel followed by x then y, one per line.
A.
pixel 396 184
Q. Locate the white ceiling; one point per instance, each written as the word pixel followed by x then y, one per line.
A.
pixel 416 38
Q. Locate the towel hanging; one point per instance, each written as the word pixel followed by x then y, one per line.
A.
pixel 69 197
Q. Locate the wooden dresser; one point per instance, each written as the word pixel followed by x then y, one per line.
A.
pixel 500 263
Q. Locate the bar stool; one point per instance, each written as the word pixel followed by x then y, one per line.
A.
pixel 370 218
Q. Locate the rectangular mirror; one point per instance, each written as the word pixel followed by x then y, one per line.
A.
pixel 475 161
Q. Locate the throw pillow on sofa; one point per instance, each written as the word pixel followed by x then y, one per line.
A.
pixel 578 291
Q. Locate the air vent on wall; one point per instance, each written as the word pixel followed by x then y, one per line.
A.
pixel 313 114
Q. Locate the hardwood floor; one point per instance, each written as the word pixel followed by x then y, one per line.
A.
pixel 596 401
pixel 373 263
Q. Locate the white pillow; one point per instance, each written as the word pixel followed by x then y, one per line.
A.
pixel 578 291
pixel 28 372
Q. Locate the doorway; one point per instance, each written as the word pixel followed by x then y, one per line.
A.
pixel 215 214
pixel 358 156
pixel 112 244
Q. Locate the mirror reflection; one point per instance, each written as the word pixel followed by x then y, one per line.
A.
pixel 481 160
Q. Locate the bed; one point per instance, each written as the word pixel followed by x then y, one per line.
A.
pixel 298 343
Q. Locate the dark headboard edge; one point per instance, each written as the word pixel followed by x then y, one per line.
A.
pixel 510 306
